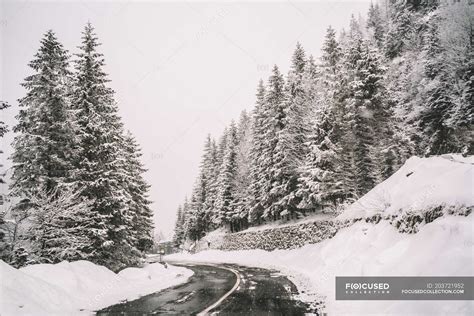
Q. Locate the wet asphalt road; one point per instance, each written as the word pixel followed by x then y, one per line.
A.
pixel 260 292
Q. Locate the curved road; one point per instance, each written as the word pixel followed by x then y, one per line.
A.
pixel 222 290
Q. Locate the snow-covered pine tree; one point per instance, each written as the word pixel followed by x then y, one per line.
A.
pixel 322 181
pixel 292 137
pixel 437 95
pixel 257 158
pixel 346 141
pixel 457 37
pixel 178 236
pixel 331 55
pixel 462 117
pixel 102 166
pixel 213 174
pixel 141 228
pixel 202 209
pixel 44 160
pixel 226 182
pixel 399 29
pixel 195 225
pixel 364 72
pixel 221 147
pixel 364 108
pixel 243 176
pixel 185 220
pixel 45 147
pixel 205 190
pixel 376 24
pixel 274 122
pixel 209 173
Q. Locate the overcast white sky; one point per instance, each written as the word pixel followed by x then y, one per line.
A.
pixel 180 69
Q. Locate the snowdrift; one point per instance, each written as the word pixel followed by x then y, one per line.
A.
pixel 81 287
pixel 420 184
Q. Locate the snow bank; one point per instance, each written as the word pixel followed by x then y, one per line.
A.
pixel 70 288
pixel 420 184
pixel 443 247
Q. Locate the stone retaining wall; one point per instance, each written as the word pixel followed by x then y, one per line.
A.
pixel 298 235
pixel 286 237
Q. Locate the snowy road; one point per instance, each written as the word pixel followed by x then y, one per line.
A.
pixel 226 289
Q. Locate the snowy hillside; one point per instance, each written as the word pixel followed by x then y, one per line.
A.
pixel 423 190
pixel 420 184
pixel 79 287
pixel 442 246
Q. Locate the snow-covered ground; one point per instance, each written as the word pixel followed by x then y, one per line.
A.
pixel 421 183
pixel 441 248
pixel 444 247
pixel 79 287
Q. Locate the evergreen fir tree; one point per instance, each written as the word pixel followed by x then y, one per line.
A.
pixel 44 161
pixel 365 111
pixel 221 147
pixel 463 116
pixel 399 29
pixel 291 147
pixel 101 162
pixel 322 179
pixel 46 144
pixel 456 19
pixel 226 182
pixel 243 172
pixel 185 220
pixel 437 96
pixel 376 25
pixel 141 220
pixel 257 150
pixel 195 225
pixel 209 175
pixel 274 122
pixel 206 189
pixel 178 236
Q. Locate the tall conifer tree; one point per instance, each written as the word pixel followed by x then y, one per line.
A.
pixel 274 122
pixel 46 144
pixel 101 159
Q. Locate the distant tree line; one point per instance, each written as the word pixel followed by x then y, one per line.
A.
pixel 397 84
pixel 77 177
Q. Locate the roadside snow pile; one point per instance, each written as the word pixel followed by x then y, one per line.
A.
pixel 79 287
pixel 441 248
pixel 421 184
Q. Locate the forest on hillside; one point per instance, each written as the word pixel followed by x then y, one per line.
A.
pixel 397 83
